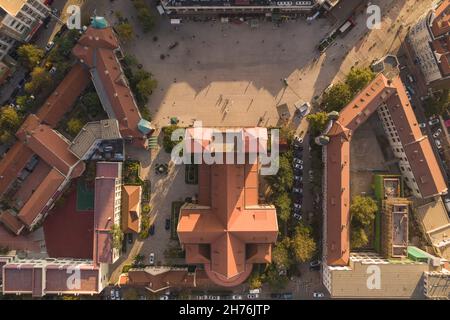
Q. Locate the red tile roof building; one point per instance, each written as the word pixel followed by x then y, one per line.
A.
pixel 97 50
pixel 417 161
pixel 107 210
pixel 430 39
pixel 41 277
pixel 56 165
pixel 131 208
pixel 228 230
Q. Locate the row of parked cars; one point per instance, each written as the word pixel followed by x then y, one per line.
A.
pixel 297 190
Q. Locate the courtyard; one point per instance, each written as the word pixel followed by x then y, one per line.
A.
pixel 227 74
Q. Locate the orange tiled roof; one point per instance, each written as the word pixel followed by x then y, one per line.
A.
pixel 131 208
pixel 12 164
pixel 38 200
pixel 96 49
pixel 219 230
pixel 441 23
pixel 105 188
pixel 11 221
pixel 49 146
pixel 39 279
pixel 420 155
pixel 65 95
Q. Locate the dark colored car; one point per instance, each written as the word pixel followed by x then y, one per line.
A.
pixel 152 229
pixel 167 226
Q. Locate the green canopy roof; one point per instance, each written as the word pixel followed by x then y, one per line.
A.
pixel 99 23
pixel 145 126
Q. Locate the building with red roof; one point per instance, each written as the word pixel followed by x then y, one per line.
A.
pixel 98 50
pixel 228 230
pixel 430 39
pixel 107 210
pixel 417 161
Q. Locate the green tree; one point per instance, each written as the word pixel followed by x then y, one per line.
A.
pixel 337 97
pixel 6 137
pixel 283 204
pixel 40 79
pixel 438 104
pixel 358 78
pixel 255 280
pixel 274 279
pixel 358 237
pixel 25 102
pixel 92 103
pixel 168 144
pixel 145 17
pixel 9 119
pixel 303 245
pixel 74 126
pixel 280 253
pixel 125 31
pixel 30 55
pixel 117 237
pixel 146 86
pixel 317 121
pixel 363 210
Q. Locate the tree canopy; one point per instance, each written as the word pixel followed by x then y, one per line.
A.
pixel 145 17
pixel 358 78
pixel 281 253
pixel 74 126
pixel 317 122
pixel 337 97
pixel 438 104
pixel 40 79
pixel 363 210
pixel 9 119
pixel 303 245
pixel 283 204
pixel 30 55
pixel 125 31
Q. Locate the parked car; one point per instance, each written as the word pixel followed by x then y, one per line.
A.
pixel 167 225
pixel 297 206
pixel 437 133
pixel 297 160
pixel 433 122
pixel 297 190
pixel 302 109
pixel 117 294
pixel 411 78
pixel 151 258
pixel 438 143
pixel 236 297
pixel 318 295
pixel 214 297
pixel 297 216
pixel 298 166
pixel 49 46
pixel 422 125
pixel 314 265
pixel 173 45
pixel 112 294
pixel 252 296
pixel 130 238
pixel 298 178
pixel 164 297
pixel 152 229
